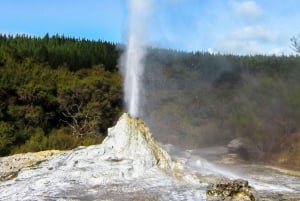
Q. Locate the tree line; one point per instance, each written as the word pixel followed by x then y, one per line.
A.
pixel 58 92
pixel 59 50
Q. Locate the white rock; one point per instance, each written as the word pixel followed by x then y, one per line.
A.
pixel 130 140
pixel 125 164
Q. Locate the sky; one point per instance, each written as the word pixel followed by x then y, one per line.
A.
pixel 216 26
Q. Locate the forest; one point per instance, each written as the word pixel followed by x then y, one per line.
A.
pixel 59 92
pixel 56 92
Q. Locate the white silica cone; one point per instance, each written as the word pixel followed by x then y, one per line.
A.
pixel 130 140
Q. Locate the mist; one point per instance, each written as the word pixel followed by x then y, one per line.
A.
pixel 178 105
pixel 132 60
pixel 199 99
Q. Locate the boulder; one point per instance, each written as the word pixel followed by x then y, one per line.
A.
pixel 245 148
pixel 235 190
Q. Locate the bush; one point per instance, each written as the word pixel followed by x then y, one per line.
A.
pixel 61 139
pixel 7 137
pixel 36 142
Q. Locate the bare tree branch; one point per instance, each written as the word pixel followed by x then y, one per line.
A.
pixel 295 43
pixel 80 122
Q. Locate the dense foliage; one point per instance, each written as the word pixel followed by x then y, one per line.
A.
pixel 56 92
pixel 59 50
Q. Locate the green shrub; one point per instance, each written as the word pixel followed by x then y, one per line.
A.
pixel 7 137
pixel 61 139
pixel 36 142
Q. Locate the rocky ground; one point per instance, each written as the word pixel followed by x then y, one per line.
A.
pixel 130 165
pixel 259 175
pixel 217 187
pixel 10 166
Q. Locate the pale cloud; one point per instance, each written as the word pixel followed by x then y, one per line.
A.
pixel 279 51
pixel 247 8
pixel 251 40
pixel 240 47
pixel 257 32
pixel 211 51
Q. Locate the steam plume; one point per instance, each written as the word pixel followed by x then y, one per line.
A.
pixel 132 64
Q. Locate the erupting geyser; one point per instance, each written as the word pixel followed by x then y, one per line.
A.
pixel 132 62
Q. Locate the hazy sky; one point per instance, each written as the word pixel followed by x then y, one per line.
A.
pixel 227 26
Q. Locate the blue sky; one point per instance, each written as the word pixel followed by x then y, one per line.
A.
pixel 227 26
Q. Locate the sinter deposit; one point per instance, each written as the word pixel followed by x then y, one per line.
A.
pixel 11 165
pixel 127 165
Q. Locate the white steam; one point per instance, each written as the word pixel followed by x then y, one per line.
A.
pixel 133 57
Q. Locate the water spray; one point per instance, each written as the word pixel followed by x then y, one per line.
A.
pixel 132 64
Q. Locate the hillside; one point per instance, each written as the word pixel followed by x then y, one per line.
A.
pixel 58 92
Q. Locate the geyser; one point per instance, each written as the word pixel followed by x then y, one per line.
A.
pixel 132 60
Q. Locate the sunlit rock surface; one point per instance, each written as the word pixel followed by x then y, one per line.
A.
pixel 130 142
pixel 11 165
pixel 128 165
